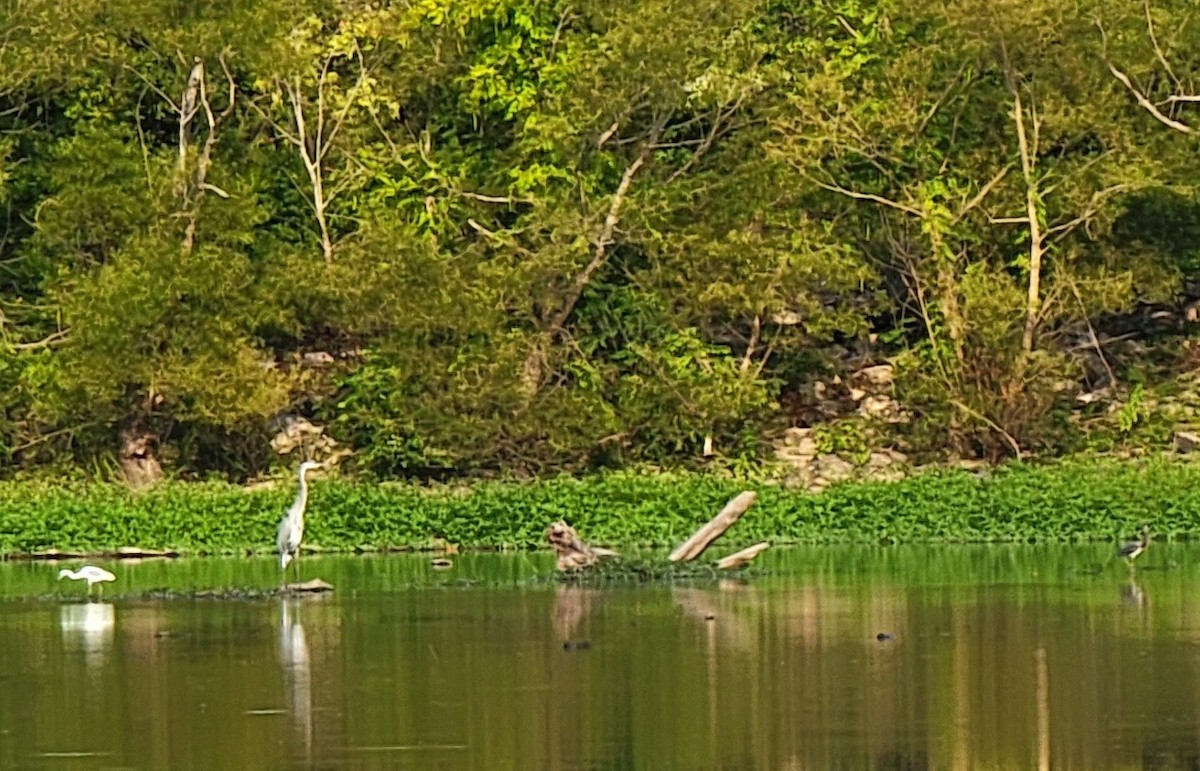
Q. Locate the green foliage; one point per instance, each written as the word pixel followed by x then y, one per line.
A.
pixel 848 438
pixel 550 237
pixel 1069 502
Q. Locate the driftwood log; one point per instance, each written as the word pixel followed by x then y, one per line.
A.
pixel 694 546
pixel 574 554
pixel 742 558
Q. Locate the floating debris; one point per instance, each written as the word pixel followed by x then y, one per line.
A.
pixel 120 553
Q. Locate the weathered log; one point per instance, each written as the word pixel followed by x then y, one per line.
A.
pixel 694 546
pixel 573 553
pixel 743 557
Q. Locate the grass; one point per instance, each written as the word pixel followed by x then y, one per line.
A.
pixel 1070 501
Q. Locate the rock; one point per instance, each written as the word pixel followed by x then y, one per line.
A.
pixel 857 394
pixel 313 586
pixel 317 359
pixel 877 406
pixel 794 435
pixel 793 457
pixel 799 445
pixel 879 459
pixel 889 474
pixel 1091 396
pixel 297 432
pixel 1186 441
pixel 880 376
pixel 834 468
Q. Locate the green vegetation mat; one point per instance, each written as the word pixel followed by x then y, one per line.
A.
pixel 1080 500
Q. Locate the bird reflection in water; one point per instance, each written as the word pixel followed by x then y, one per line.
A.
pixel 1133 594
pixel 87 627
pixel 297 673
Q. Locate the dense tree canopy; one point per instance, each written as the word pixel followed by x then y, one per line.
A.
pixel 473 235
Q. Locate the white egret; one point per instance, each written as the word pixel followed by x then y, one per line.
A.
pixel 291 528
pixel 89 573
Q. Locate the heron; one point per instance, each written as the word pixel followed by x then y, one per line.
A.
pixel 1131 549
pixel 89 573
pixel 291 528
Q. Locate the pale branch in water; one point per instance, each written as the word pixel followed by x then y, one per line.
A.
pixel 694 546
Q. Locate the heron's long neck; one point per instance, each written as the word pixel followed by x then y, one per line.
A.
pixel 302 495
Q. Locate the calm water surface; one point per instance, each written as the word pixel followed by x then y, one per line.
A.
pixel 998 658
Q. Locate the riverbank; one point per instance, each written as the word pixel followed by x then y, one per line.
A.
pixel 1068 501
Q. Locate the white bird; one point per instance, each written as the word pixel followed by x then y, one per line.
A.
pixel 89 573
pixel 291 528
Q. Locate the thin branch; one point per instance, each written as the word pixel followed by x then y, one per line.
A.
pixel 1112 378
pixel 161 94
pixel 755 332
pixel 1093 208
pixel 1140 97
pixel 1016 448
pixel 52 435
pixel 508 199
pixel 604 240
pixel 983 191
pixel 721 120
pixel 940 101
pixel 142 140
pixel 46 342
pixel 607 134
pixel 869 197
pixel 1158 53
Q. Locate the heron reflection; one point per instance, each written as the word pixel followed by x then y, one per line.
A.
pixel 87 627
pixel 297 672
pixel 1133 594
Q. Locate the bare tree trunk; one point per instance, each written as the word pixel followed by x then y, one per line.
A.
pixel 312 159
pixel 1028 147
pixel 196 100
pixel 138 464
pixel 533 369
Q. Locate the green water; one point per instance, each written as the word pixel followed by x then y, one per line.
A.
pixel 999 658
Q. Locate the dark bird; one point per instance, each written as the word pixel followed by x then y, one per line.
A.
pixel 1131 549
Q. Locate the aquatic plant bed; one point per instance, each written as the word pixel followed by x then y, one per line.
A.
pixel 1073 501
